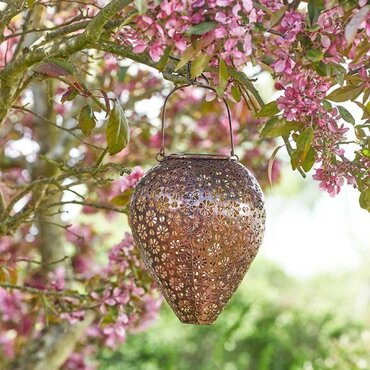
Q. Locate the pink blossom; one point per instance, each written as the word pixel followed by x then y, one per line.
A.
pixel 247 45
pixel 284 65
pixel 329 181
pixel 128 181
pixel 81 235
pixel 115 333
pixel 58 278
pixel 303 96
pixel 248 5
pixel 224 2
pixel 156 51
pixel 77 361
pixel 73 317
pixel 151 311
pixel 11 307
pixel 112 296
pixel 140 47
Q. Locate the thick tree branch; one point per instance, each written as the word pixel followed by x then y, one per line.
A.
pixel 12 75
pixel 169 73
pixel 14 7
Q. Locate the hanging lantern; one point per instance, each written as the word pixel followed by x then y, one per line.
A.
pixel 198 220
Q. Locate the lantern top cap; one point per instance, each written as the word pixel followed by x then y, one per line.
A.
pixel 200 156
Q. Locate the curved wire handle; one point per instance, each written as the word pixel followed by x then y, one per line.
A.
pixel 162 152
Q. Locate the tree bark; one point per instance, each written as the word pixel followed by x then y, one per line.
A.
pixel 53 347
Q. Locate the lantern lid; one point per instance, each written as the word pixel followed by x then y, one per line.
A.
pixel 200 156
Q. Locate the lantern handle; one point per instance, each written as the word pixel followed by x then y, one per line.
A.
pixel 162 152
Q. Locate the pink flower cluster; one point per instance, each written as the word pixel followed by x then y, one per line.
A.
pixel 119 288
pixel 106 194
pixel 79 361
pixel 13 318
pixel 118 292
pixel 303 96
pixel 166 25
pixel 332 177
pixel 281 46
pixel 127 182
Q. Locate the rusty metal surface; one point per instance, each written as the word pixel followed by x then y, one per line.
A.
pixel 198 223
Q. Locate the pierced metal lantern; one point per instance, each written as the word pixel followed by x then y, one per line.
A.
pixel 198 220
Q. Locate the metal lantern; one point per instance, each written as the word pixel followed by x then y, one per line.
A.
pixel 198 220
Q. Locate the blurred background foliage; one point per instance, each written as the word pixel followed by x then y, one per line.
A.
pixel 274 322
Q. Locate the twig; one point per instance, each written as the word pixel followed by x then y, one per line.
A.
pixel 41 263
pixel 55 125
pixel 87 204
pixel 36 291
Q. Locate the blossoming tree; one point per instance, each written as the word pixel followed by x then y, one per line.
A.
pixel 70 69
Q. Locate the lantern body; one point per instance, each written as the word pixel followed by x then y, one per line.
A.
pixel 198 221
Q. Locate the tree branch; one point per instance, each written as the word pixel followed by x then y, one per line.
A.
pixel 13 73
pixel 169 73
pixel 87 204
pixel 53 347
pixel 53 293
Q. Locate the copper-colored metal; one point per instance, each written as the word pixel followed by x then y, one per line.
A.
pixel 199 224
pixel 198 220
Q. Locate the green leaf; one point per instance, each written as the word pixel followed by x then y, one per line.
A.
pixel 55 67
pixel 31 3
pixel 365 108
pixel 345 93
pixel 360 133
pixel 201 28
pixel 346 115
pixel 271 164
pixel 122 72
pixel 243 80
pixel 141 6
pixel 314 8
pixel 122 199
pixel 86 120
pixel 322 68
pixel 304 143
pixel 276 126
pixel 304 155
pixel 366 96
pixel 277 15
pixel 164 59
pixel 235 92
pixel 327 106
pixel 315 55
pixel 310 159
pixel 294 159
pixel 365 199
pixel 339 72
pixel 186 56
pixel 3 275
pixel 69 95
pixel 366 152
pixel 199 64
pixel 268 110
pixel 117 132
pixel 223 77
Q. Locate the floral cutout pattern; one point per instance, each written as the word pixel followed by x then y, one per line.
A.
pixel 199 224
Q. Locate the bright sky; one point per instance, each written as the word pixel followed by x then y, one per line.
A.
pixel 309 232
